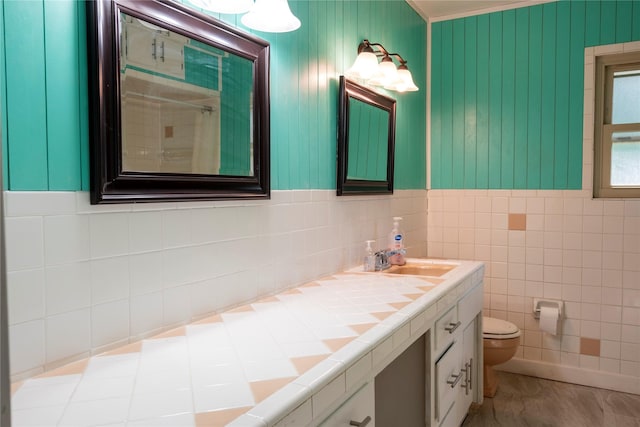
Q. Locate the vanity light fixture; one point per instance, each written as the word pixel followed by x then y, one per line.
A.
pixel 271 16
pixel 385 73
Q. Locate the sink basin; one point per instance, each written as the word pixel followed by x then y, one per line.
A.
pixel 421 269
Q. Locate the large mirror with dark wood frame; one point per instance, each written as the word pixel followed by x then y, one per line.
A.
pixel 179 105
pixel 366 140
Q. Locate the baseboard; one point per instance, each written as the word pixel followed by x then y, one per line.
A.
pixel 574 375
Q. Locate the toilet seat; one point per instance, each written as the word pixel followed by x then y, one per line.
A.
pixel 497 329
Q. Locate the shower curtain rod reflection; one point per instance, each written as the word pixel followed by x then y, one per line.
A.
pixel 204 108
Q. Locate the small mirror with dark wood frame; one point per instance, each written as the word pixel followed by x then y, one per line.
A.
pixel 178 103
pixel 366 140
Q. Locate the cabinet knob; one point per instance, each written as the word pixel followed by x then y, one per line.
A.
pixel 362 423
pixel 452 326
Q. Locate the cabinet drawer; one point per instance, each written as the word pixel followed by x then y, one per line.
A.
pixel 448 376
pixel 357 408
pixel 445 328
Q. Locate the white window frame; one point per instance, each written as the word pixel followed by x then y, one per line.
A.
pixel 605 66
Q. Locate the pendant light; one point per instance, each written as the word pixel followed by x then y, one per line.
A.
pixel 224 6
pixel 272 16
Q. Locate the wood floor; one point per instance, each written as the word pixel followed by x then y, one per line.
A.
pixel 528 401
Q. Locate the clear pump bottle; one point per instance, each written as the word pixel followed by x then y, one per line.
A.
pixel 369 257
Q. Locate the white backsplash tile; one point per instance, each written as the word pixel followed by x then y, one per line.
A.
pixel 25 295
pixel 109 234
pixel 24 236
pixel 84 277
pixel 27 346
pixel 68 287
pixel 109 323
pixel 66 239
pixel 68 335
pixel 145 231
pixel 109 279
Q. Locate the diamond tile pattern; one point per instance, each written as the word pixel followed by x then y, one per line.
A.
pixel 213 371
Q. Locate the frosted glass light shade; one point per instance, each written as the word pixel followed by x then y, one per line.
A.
pixel 386 75
pixel 271 16
pixel 224 6
pixel 365 66
pixel 404 82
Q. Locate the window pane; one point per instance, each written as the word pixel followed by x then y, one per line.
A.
pixel 626 97
pixel 625 159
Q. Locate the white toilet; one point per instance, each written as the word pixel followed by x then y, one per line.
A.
pixel 500 342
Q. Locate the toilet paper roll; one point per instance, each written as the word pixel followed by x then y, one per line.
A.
pixel 549 319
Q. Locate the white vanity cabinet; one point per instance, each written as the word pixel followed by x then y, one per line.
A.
pixel 458 355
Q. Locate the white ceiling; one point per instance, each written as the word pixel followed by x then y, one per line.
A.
pixel 435 9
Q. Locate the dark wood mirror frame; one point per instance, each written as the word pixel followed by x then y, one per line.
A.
pixel 109 183
pixel 346 186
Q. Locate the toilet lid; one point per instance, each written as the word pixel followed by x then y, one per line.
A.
pixel 498 329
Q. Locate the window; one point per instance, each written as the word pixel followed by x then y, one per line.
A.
pixel 617 126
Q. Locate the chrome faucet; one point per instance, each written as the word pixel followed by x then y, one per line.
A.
pixel 382 258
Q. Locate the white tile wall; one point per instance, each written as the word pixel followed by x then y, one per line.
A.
pixel 574 250
pixel 84 278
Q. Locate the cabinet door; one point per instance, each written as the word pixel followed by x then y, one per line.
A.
pixel 448 378
pixel 358 410
pixel 141 48
pixel 170 60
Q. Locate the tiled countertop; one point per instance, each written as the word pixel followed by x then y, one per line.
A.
pixel 249 366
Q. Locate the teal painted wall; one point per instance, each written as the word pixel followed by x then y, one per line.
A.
pixel 44 94
pixel 507 93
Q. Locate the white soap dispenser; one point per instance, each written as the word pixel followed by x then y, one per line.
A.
pixel 369 257
pixel 396 242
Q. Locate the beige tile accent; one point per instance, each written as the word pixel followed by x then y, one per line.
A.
pixel 590 347
pixel 216 318
pixel 310 285
pixel 15 387
pixel 432 280
pixel 382 314
pixel 336 344
pixel 425 288
pixel 413 296
pixel 362 328
pixel 266 300
pixel 125 349
pixel 517 221
pixel 291 292
pixel 399 305
pixel 70 369
pixel 219 418
pixel 303 364
pixel 177 332
pixel 241 309
pixel 263 389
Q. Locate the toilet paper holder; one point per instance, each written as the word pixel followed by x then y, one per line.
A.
pixel 539 303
